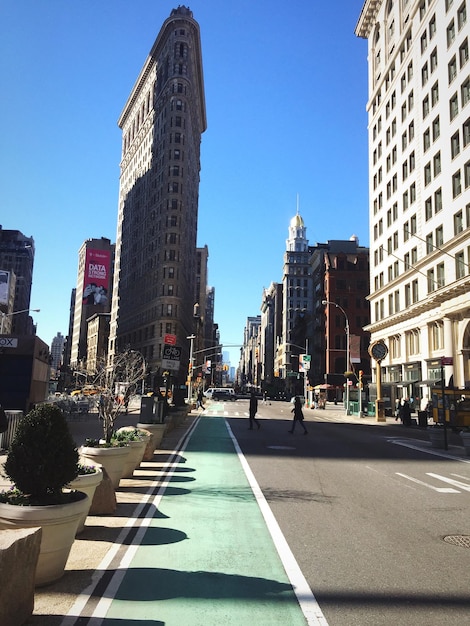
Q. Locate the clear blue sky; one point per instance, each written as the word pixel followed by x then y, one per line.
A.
pixel 286 89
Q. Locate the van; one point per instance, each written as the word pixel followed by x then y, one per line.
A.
pixel 208 393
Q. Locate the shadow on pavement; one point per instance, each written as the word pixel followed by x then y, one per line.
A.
pixel 142 584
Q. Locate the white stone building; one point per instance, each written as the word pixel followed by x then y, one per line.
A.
pixel 419 163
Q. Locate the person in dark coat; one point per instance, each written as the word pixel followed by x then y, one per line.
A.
pixel 253 410
pixel 200 399
pixel 298 415
pixel 405 413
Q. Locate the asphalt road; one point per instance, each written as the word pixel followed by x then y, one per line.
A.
pixel 365 509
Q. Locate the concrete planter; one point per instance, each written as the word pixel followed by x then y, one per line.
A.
pixel 177 417
pixel 136 452
pixel 134 458
pixel 87 483
pixel 465 436
pixel 59 523
pixel 436 437
pixel 156 431
pixel 112 459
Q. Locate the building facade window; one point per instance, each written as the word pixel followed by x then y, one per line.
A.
pixel 459 265
pixel 436 335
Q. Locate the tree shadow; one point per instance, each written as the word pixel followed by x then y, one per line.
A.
pixel 146 585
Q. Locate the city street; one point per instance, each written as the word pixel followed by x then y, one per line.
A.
pixel 356 510
pixel 365 508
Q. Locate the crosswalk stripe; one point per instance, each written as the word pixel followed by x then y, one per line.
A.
pixel 420 482
pixel 450 481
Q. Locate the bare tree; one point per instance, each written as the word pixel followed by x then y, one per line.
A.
pixel 118 382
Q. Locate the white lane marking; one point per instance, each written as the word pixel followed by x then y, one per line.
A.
pixel 420 482
pixel 307 601
pixel 450 481
pixel 422 448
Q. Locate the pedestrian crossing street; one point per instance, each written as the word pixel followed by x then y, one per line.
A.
pixel 448 483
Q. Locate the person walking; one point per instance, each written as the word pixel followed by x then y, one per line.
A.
pixel 405 413
pixel 298 415
pixel 253 410
pixel 200 399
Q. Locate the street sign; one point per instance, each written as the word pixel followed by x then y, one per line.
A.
pixel 169 340
pixel 304 362
pixel 447 360
pixel 171 357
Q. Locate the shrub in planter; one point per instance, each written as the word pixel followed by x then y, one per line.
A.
pixel 41 461
pixel 42 458
pixel 137 441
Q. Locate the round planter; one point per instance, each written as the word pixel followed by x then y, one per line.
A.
pixel 465 436
pixel 178 416
pixel 112 459
pixel 436 437
pixel 88 484
pixel 157 431
pixel 134 458
pixel 59 523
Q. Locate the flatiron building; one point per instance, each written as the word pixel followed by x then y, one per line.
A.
pixel 162 123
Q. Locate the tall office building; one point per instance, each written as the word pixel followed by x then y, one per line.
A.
pixel 297 300
pixel 162 123
pixel 57 349
pixel 17 258
pixel 93 293
pixel 419 184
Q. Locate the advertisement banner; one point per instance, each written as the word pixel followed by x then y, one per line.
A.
pixel 96 277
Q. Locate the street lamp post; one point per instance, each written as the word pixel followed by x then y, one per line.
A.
pixel 327 302
pixel 4 315
pixel 305 371
pixel 190 368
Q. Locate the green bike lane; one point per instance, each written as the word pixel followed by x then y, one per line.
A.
pixel 207 555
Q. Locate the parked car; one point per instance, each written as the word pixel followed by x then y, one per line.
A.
pixel 223 394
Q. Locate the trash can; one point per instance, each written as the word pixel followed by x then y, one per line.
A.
pixel 146 409
pixel 422 419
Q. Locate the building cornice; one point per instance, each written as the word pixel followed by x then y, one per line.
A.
pixel 432 301
pixel 151 62
pixel 367 18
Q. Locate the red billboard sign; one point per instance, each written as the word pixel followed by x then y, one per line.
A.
pixel 96 276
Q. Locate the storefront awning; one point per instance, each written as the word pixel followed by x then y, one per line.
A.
pixel 431 382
